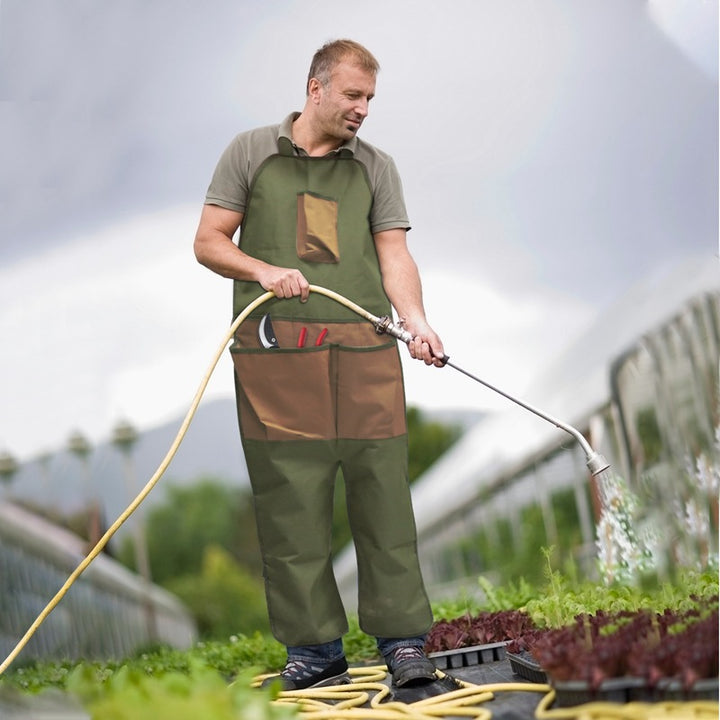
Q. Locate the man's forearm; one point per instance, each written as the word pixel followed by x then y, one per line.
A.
pixel 404 289
pixel 218 253
pixel 401 280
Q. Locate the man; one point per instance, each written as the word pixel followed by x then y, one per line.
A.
pixel 316 205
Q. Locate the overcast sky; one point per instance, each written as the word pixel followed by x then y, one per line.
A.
pixel 553 153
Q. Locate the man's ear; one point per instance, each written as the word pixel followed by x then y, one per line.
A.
pixel 314 90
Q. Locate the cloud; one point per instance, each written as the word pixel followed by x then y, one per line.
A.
pixel 128 301
pixel 505 338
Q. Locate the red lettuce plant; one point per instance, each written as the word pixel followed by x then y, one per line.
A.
pixel 481 629
pixel 653 646
pixel 674 644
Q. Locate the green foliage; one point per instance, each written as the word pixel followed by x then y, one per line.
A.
pixel 224 598
pixel 648 431
pixel 190 520
pixel 202 545
pixel 239 653
pixel 559 598
pixel 359 647
pixel 427 441
pixel 199 693
pixel 167 683
pixel 511 596
pixel 508 553
pixel 457 607
pixel 509 549
pixel 559 602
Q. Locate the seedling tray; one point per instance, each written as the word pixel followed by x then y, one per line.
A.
pixel 632 689
pixel 469 656
pixel 524 665
pixel 670 690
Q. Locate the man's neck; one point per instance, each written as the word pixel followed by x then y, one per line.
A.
pixel 313 143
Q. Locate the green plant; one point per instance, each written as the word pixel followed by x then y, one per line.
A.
pixel 193 518
pixel 201 692
pixel 224 598
pixel 229 657
pixel 427 441
pixel 558 603
pixel 359 647
pixel 462 605
pixel 511 596
pixel 158 673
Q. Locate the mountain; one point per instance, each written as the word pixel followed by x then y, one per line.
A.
pixel 211 447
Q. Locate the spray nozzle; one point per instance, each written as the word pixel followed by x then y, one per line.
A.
pixel 596 463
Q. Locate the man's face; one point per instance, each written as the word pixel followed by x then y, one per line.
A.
pixel 343 105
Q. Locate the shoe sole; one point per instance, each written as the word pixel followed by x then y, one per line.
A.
pixel 342 679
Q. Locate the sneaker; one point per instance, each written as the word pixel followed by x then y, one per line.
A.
pixel 410 666
pixel 302 674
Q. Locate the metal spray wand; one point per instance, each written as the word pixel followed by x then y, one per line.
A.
pixel 596 463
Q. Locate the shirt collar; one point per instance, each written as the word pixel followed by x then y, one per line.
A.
pixel 285 141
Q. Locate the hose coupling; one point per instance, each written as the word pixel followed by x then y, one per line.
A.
pixel 385 326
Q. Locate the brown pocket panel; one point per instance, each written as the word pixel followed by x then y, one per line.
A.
pixel 370 395
pixel 319 393
pixel 317 237
pixel 285 395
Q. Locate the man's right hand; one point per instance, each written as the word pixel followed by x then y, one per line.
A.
pixel 284 282
pixel 214 248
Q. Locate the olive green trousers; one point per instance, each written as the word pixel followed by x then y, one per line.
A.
pixel 293 487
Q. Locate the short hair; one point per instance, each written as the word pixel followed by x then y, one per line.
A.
pixel 334 52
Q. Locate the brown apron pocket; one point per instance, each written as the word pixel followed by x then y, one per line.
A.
pixel 285 394
pixel 317 236
pixel 370 394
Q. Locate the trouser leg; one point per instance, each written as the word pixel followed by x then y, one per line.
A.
pixel 293 485
pixel 392 601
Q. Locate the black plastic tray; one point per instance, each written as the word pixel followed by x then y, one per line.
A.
pixel 524 665
pixel 632 689
pixel 466 657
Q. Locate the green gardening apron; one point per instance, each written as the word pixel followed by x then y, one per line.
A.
pixel 335 403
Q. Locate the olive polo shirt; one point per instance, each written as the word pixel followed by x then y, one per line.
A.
pixel 233 176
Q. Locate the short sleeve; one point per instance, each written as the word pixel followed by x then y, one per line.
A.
pixel 230 182
pixel 388 211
